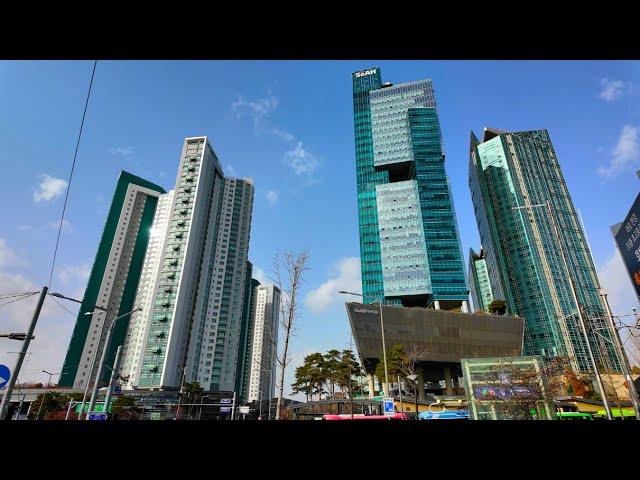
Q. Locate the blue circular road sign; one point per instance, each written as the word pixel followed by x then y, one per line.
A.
pixel 5 374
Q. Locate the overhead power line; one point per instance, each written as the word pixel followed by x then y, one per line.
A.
pixel 74 315
pixel 73 166
pixel 17 299
pixel 4 296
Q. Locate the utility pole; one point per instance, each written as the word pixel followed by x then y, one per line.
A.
pixel 184 373
pixel 4 406
pixel 400 393
pixel 624 362
pixel 233 407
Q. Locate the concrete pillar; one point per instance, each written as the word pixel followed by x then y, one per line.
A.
pixel 421 385
pixel 372 386
pixel 436 304
pixel 465 306
pixel 448 381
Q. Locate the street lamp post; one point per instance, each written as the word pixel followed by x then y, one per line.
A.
pixel 45 393
pixel 384 348
pixel 107 341
pixel 547 204
pixel 414 379
pixel 201 404
pixel 93 362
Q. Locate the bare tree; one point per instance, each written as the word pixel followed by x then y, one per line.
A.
pixel 292 266
pixel 409 366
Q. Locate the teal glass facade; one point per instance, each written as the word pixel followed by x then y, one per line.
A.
pixel 409 242
pixel 479 282
pixel 524 263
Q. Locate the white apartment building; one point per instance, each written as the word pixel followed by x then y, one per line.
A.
pixel 264 343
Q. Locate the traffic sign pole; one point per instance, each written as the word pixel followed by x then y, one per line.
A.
pixel 388 406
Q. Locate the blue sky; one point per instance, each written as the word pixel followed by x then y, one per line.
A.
pixel 288 125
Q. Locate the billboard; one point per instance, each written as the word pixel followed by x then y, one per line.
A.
pixel 627 238
pixel 506 388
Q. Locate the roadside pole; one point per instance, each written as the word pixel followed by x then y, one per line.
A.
pixel 114 378
pixel 4 406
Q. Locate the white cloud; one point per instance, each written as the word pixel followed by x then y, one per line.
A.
pixel 8 257
pixel 256 109
pixel 612 89
pixel 272 197
pixel 301 161
pixel 625 154
pixel 615 280
pixel 66 226
pixel 231 171
pixel 124 151
pixel 348 279
pixel 49 188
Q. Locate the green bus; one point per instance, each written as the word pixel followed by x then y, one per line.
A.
pixel 574 416
pixel 618 414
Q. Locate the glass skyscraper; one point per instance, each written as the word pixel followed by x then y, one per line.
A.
pixel 409 242
pixel 511 170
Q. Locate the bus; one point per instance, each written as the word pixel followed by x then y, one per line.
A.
pixel 574 416
pixel 618 414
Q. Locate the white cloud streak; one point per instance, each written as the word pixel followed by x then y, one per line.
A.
pixel 625 154
pixel 124 151
pixel 66 226
pixel 300 160
pixel 256 109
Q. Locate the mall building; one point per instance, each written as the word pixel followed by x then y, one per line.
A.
pixel 436 339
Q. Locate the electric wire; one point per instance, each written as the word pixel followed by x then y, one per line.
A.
pixel 74 315
pixel 73 165
pixel 5 296
pixel 18 299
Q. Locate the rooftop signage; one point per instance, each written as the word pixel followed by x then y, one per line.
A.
pixel 364 73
